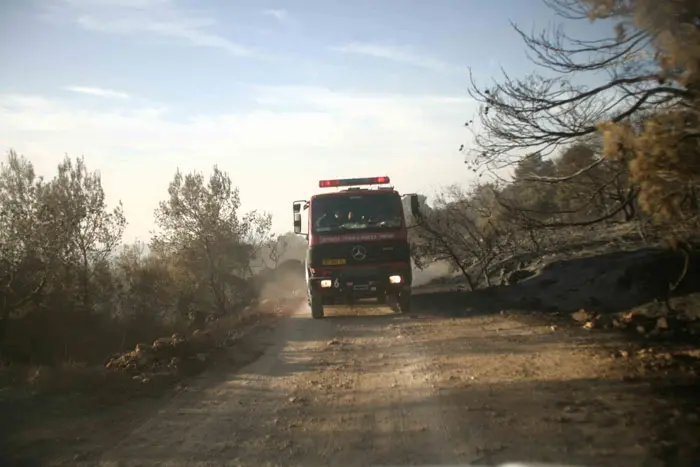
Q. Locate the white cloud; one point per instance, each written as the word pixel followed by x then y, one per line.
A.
pixel 98 92
pixel 274 154
pixel 396 54
pixel 278 14
pixel 143 18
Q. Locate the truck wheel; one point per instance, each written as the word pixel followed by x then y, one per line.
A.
pixel 405 302
pixel 316 307
pixel 393 302
pixel 381 298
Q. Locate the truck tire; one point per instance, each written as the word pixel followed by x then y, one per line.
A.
pixel 316 304
pixel 393 301
pixel 381 298
pixel 404 304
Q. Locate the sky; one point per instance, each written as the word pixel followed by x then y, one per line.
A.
pixel 279 94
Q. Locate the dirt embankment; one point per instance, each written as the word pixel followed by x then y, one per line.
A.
pixel 48 411
pixel 603 287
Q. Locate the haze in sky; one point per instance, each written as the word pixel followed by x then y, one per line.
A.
pixel 278 94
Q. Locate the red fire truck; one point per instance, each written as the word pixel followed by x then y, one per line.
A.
pixel 358 245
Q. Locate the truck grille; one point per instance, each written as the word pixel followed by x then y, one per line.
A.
pixel 376 252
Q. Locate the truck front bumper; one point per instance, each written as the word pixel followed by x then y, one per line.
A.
pixel 349 284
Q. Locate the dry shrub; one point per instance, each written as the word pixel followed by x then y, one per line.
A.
pixel 51 337
pixel 664 150
pixel 664 161
pixel 66 377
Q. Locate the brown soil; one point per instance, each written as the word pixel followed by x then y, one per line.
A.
pixel 368 387
pixel 487 377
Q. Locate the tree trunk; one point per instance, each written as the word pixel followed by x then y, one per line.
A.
pixel 465 274
pixel 629 211
pixel 534 241
pixel 485 272
pixel 4 320
pixel 85 283
pixel 221 302
pixel 215 283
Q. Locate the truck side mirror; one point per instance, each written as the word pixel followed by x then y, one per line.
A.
pixel 296 207
pixel 297 223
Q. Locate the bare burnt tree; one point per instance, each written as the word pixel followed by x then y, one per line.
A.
pixel 436 237
pixel 541 112
pixel 464 229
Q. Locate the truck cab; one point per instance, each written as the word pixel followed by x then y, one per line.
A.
pixel 358 244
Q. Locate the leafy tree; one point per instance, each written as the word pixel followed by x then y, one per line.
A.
pixel 34 236
pixel 202 227
pixel 577 186
pixel 534 197
pixel 96 231
pixel 67 291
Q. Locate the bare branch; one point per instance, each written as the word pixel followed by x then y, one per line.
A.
pixel 539 113
pixel 566 178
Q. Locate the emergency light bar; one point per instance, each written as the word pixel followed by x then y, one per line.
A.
pixel 353 182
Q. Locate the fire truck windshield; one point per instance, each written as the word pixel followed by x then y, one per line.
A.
pixel 366 212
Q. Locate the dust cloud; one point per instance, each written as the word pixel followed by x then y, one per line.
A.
pixel 431 272
pixel 284 282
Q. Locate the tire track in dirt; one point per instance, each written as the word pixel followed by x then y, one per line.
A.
pixel 393 407
pixel 386 389
pixel 336 391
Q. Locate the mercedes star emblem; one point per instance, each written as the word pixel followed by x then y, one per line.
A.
pixel 358 252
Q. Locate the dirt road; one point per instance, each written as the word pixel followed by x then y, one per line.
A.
pixel 372 388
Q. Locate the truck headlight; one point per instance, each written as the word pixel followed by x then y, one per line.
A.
pixel 395 279
pixel 326 283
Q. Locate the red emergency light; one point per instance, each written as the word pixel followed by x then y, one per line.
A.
pixel 353 182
